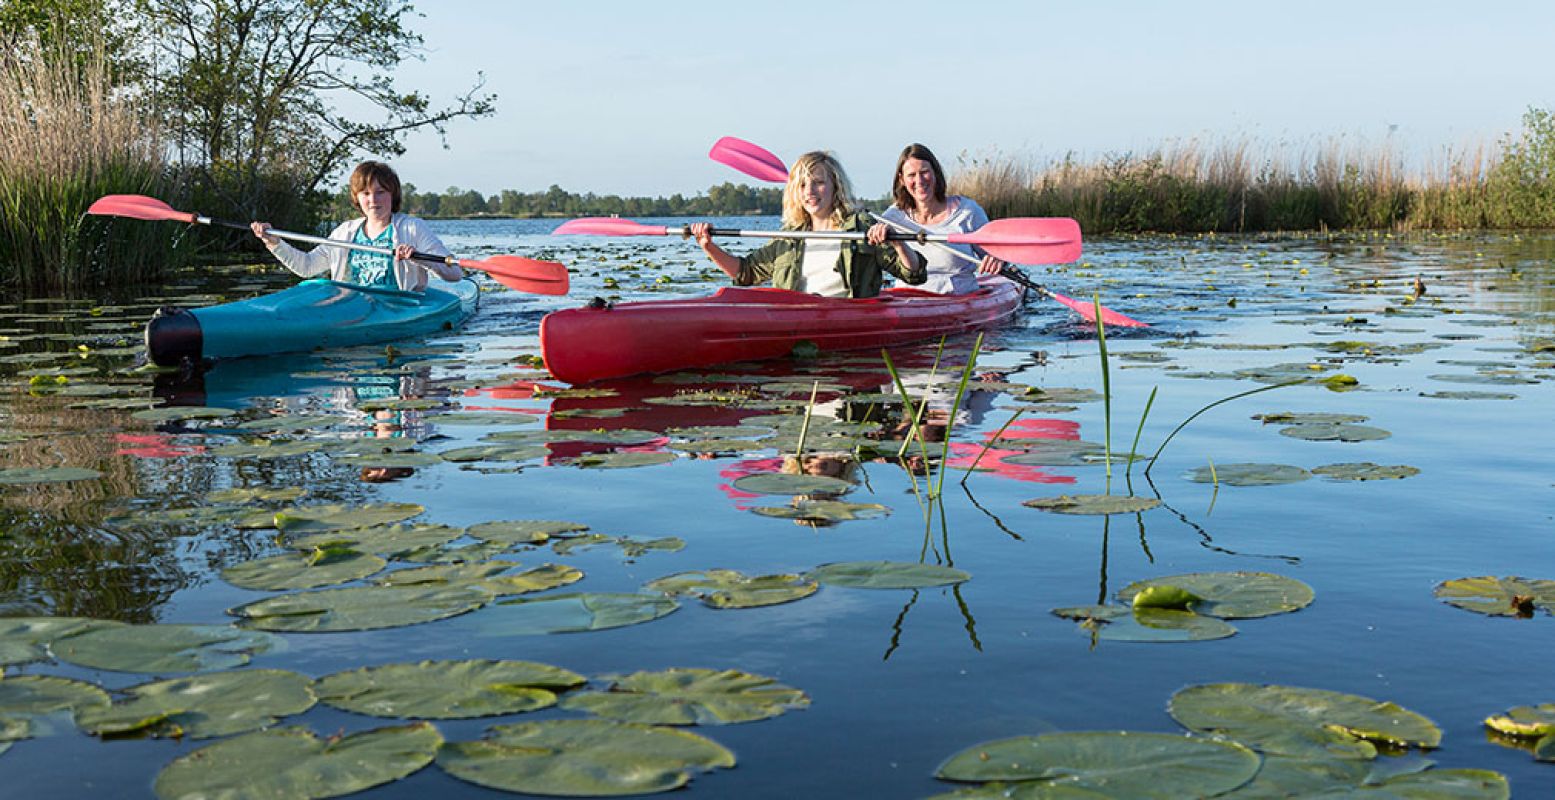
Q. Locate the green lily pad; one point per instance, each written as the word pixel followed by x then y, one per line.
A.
pixel 175 413
pixel 583 758
pixel 704 446
pixel 384 540
pixel 824 511
pixel 26 699
pixel 1285 776
pixel 575 613
pixel 1501 597
pixel 293 762
pixel 1484 377
pixel 1232 595
pixel 369 446
pixel 455 554
pixel 1309 418
pixel 1295 721
pixel 323 567
pixel 1534 721
pixel 256 494
pixel 488 576
pixel 1125 624
pixel 688 696
pixel 484 418
pixel 1051 452
pixel 391 460
pixel 1021 790
pixel 313 519
pixel 1365 471
pixel 289 423
pixel 1469 395
pixel 1093 504
pixel 1061 395
pixel 163 648
pixel 726 588
pixel 886 575
pixel 724 432
pixel 1335 433
pixel 203 706
pixel 24 639
pixel 267 450
pixel 402 404
pixel 22 476
pixel 524 531
pixel 447 689
pixel 630 548
pixel 494 452
pixel 1248 474
pixel 1120 764
pixel 626 460
pixel 361 608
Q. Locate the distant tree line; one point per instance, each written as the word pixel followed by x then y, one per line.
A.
pixel 725 199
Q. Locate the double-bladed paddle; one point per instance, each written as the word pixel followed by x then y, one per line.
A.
pixel 760 163
pixel 515 272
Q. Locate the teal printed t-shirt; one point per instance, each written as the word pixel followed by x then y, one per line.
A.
pixel 373 269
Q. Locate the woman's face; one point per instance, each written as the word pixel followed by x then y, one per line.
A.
pixel 918 179
pixel 816 194
pixel 375 201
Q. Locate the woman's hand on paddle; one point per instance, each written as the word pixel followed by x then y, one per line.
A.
pixel 403 252
pixel 877 233
pixel 990 266
pixel 262 230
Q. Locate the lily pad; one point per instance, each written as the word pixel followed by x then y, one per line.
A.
pixel 22 476
pixel 293 762
pixel 726 588
pixel 1365 471
pixel 24 639
pixel 484 418
pixel 625 460
pixel 715 446
pixel 1285 776
pixel 1469 395
pixel 267 450
pixel 1533 721
pixel 385 540
pixel 1125 624
pixel 174 413
pixel 1335 433
pixel 887 575
pixel 1093 504
pixel 824 511
pixel 24 699
pixel 494 452
pixel 163 648
pixel 451 554
pixel 488 576
pixel 203 706
pixel 323 567
pixel 1309 418
pixel 361 608
pixel 313 519
pixel 576 613
pixel 1296 721
pixel 1501 597
pixel 1232 595
pixel 689 696
pixel 447 689
pixel 583 758
pixel 256 494
pixel 1248 474
pixel 524 531
pixel 1119 764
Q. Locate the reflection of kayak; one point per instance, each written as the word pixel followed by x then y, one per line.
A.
pixel 589 344
pixel 311 315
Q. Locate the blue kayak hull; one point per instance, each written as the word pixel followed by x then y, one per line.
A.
pixel 312 315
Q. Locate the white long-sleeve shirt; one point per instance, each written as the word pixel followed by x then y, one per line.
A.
pixel 411 276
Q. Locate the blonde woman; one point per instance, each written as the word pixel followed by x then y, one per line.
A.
pixel 818 198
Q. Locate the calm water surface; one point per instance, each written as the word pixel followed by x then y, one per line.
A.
pixel 899 680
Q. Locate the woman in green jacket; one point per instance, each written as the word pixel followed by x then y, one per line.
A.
pixel 817 198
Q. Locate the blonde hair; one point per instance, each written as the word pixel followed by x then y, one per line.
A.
pixel 812 164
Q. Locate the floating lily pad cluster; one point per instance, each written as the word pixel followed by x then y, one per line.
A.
pixel 1190 607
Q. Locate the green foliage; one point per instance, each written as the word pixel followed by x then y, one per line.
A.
pixel 725 199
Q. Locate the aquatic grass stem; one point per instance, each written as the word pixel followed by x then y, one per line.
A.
pixel 1195 415
pixel 955 406
pixel 804 427
pixel 1106 390
pixel 1133 449
pixel 988 445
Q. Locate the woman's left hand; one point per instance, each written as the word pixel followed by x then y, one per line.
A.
pixel 403 252
pixel 990 266
pixel 877 233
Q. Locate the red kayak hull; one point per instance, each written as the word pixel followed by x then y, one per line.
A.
pixel 581 345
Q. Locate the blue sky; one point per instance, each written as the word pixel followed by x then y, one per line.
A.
pixel 626 97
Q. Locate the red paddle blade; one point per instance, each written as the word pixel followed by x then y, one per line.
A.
pixel 609 226
pixel 750 159
pixel 523 274
pixel 1087 311
pixel 1027 240
pixel 137 206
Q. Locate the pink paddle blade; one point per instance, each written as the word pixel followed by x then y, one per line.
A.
pixel 1027 240
pixel 753 160
pixel 137 206
pixel 608 226
pixel 1087 311
pixel 523 274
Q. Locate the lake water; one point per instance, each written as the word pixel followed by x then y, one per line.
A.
pixel 898 680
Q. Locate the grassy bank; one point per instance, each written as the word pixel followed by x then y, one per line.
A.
pixel 68 135
pixel 1239 186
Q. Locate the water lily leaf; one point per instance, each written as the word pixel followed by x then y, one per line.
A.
pixel 1248 474
pixel 293 762
pixel 726 588
pixel 1093 504
pixel 1022 790
pixel 1061 395
pixel 402 404
pixel 494 452
pixel 450 554
pixel 1506 597
pixel 724 432
pixel 625 437
pixel 717 446
pixel 484 418
pixel 361 608
pixel 1484 377
pixel 1125 624
pixel 689 696
pixel 524 531
pixel 24 639
pixel 369 446
pixel 1309 418
pixel 313 519
pixel 625 460
pixel 583 758
pixel 1335 433
pixel 26 699
pixel 1365 471
pixel 1232 595
pixel 1051 452
pixel 446 689
pixel 22 476
pixel 163 648
pixel 1469 395
pixel 290 423
pixel 887 575
pixel 174 413
pixel 391 460
pixel 203 706
pixel 824 511
pixel 256 494
pixel 575 613
pixel 1121 764
pixel 1286 776
pixel 1296 721
pixel 1535 721
pixel 385 540
pixel 322 567
pixel 267 450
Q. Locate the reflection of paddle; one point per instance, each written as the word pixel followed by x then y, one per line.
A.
pixel 515 272
pixel 1029 240
pixel 760 163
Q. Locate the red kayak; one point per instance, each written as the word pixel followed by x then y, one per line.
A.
pixel 589 344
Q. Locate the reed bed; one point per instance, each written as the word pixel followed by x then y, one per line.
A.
pixel 68 135
pixel 1237 186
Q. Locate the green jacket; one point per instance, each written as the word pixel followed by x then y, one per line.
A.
pixel 862 265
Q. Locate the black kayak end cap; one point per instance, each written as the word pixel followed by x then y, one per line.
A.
pixel 173 337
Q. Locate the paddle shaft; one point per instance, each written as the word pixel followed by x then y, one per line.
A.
pixel 895 235
pixel 303 237
pixel 1007 271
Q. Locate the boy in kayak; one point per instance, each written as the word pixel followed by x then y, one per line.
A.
pixel 818 198
pixel 375 191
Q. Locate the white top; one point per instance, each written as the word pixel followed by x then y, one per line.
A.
pixel 820 268
pixel 410 275
pixel 947 274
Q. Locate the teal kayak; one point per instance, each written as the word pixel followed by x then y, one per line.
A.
pixel 312 315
